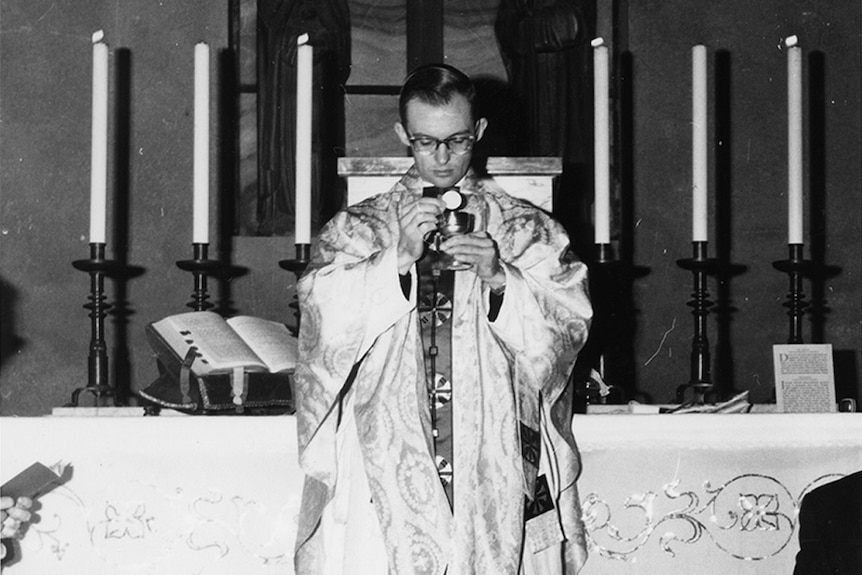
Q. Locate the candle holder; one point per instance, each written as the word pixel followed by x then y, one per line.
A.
pixel 605 369
pixel 795 266
pixel 97 362
pixel 603 273
pixel 298 266
pixel 201 267
pixel 700 382
pixel 609 349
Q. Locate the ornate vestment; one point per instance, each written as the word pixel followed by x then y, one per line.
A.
pixel 361 384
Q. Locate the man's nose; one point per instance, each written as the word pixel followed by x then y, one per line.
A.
pixel 442 153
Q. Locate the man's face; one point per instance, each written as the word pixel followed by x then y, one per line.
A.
pixel 441 168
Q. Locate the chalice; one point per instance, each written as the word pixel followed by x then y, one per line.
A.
pixel 452 222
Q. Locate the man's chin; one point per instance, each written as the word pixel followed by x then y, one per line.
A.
pixel 444 181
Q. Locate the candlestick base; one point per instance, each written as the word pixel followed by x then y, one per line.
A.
pixel 201 267
pixel 97 362
pixel 298 265
pixel 700 383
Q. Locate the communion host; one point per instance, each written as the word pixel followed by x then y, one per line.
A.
pixel 434 411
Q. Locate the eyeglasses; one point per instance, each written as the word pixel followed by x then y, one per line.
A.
pixel 457 144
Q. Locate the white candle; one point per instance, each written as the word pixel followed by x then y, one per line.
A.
pixel 201 184
pixel 601 152
pixel 304 63
pixel 699 157
pixel 99 143
pixel 794 142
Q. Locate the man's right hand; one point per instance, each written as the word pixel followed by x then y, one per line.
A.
pixel 416 219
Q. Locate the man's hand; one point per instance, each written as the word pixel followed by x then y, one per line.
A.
pixel 479 250
pixel 416 220
pixel 13 514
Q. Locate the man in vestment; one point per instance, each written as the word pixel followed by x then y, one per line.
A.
pixel 433 411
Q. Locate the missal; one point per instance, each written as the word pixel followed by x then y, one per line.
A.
pixel 222 345
pixel 36 480
pixel 804 378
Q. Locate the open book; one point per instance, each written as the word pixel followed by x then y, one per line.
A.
pixel 252 343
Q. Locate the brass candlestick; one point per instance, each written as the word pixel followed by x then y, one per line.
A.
pixel 98 383
pixel 201 267
pixel 604 273
pixel 298 266
pixel 700 382
pixel 795 266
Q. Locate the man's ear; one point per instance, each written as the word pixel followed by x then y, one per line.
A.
pixel 480 128
pixel 402 134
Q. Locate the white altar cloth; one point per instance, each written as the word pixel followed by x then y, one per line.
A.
pixel 662 494
pixel 160 495
pixel 706 494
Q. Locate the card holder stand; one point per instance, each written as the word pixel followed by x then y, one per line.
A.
pixel 239 392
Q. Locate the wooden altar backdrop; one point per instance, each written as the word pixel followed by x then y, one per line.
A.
pixel 529 178
pixel 706 494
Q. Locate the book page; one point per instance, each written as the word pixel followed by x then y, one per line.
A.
pixel 220 347
pixel 804 378
pixel 270 340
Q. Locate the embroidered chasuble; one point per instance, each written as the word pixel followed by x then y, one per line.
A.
pixel 374 499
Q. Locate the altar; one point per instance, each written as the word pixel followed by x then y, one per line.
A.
pixel 178 494
pixel 705 493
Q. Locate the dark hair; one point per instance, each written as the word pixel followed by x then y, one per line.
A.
pixel 436 84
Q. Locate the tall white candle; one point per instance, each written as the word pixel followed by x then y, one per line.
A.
pixel 601 152
pixel 794 142
pixel 99 142
pixel 304 67
pixel 201 184
pixel 699 156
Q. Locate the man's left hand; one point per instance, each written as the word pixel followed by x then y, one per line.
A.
pixel 13 513
pixel 479 250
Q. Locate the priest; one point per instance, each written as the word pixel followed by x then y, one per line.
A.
pixel 440 322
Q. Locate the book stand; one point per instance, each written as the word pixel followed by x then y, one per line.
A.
pixel 178 387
